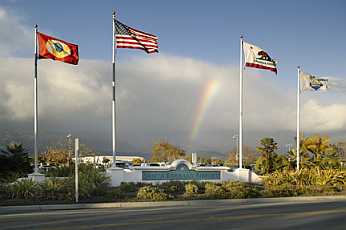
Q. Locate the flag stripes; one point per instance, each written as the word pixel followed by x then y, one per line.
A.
pixel 127 37
pixel 256 57
pixel 261 67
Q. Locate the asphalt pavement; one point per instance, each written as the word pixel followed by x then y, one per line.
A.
pixel 319 214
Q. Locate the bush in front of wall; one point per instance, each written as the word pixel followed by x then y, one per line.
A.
pixel 191 190
pixel 214 191
pixel 151 193
pixel 24 189
pixel 173 188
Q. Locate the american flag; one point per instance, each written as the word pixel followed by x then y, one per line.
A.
pixel 127 37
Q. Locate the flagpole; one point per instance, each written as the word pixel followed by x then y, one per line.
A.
pixel 298 119
pixel 113 89
pixel 241 104
pixel 35 103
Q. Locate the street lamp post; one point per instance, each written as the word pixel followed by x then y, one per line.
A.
pixel 69 147
pixel 236 139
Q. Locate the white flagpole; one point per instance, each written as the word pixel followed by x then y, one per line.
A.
pixel 76 163
pixel 113 101
pixel 241 104
pixel 298 119
pixel 35 103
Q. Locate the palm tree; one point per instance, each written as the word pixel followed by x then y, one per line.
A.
pixel 265 164
pixel 323 154
pixel 15 148
pixel 304 159
pixel 15 164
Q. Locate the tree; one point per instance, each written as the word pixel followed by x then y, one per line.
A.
pixel 249 157
pixel 341 149
pixel 55 156
pixel 204 160
pixel 217 162
pixel 136 162
pixel 304 159
pixel 163 151
pixel 16 164
pixel 15 148
pixel 317 152
pixel 268 161
pixel 105 161
pixel 322 153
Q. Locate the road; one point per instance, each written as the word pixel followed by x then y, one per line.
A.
pixel 272 215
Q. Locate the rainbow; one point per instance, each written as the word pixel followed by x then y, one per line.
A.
pixel 209 92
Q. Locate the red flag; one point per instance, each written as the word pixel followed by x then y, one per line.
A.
pixel 56 49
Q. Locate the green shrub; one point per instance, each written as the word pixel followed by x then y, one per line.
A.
pixel 254 191
pixel 307 177
pixel 60 171
pixel 129 187
pixel 241 190
pixel 151 193
pixel 281 191
pixel 235 189
pixel 57 189
pixel 115 194
pixel 214 190
pixel 305 182
pixel 173 188
pixel 4 192
pixel 24 189
pixel 92 182
pixel 191 189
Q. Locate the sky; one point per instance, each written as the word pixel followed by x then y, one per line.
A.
pixel 188 93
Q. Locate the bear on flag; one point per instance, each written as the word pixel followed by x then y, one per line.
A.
pixel 256 57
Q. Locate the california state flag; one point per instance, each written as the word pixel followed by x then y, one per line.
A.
pixel 258 58
pixel 56 49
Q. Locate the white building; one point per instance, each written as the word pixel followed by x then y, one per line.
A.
pixel 107 160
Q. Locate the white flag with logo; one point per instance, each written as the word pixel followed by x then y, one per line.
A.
pixel 256 57
pixel 311 82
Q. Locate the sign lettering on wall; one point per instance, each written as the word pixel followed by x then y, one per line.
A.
pixel 180 175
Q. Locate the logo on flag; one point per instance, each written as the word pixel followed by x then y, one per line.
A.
pixel 56 49
pixel 127 37
pixel 311 82
pixel 256 57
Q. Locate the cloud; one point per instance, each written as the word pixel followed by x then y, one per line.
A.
pixel 14 36
pixel 61 87
pixel 157 98
pixel 318 117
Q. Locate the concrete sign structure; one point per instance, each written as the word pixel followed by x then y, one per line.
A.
pixel 180 170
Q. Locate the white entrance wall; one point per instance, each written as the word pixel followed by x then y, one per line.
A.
pixel 135 174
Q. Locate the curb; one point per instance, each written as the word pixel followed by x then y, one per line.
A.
pixel 32 208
